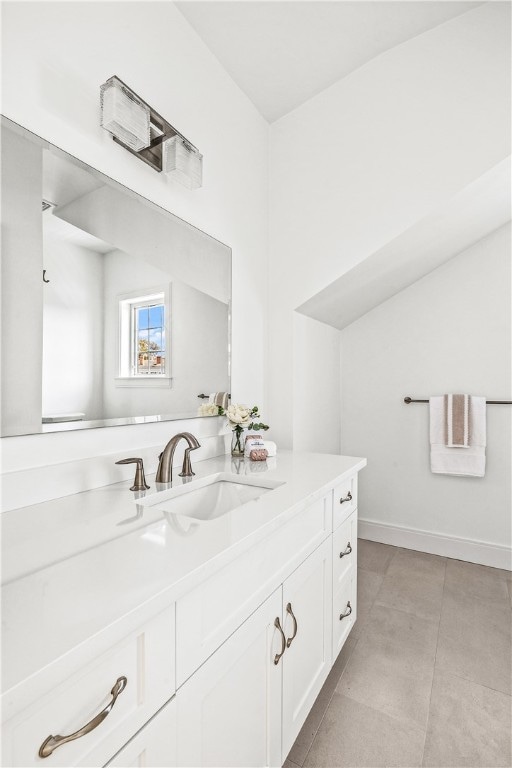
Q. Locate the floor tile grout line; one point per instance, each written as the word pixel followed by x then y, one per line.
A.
pixel 434 666
pixel 474 682
pixel 395 553
pixel 380 573
pixel 328 703
pixel 408 723
pixel 348 659
pixel 347 696
pixel 402 610
pixel 377 709
pixel 374 602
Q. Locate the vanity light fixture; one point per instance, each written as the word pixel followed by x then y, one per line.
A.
pixel 144 133
pixel 183 161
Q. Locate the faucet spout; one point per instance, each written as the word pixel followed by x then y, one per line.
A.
pixel 164 472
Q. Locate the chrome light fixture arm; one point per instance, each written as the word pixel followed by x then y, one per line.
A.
pixel 140 129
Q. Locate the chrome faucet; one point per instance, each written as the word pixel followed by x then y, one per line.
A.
pixel 164 471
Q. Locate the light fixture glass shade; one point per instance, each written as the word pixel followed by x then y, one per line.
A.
pixel 184 162
pixel 124 115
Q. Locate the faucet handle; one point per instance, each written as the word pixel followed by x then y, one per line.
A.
pixel 186 470
pixel 139 483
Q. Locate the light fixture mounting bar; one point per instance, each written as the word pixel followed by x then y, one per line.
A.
pixel 160 131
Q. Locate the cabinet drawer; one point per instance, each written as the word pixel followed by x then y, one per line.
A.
pixel 209 614
pixel 344 550
pixel 344 611
pixel 154 745
pixel 344 500
pixel 145 658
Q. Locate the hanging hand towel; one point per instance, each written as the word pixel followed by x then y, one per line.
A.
pixel 458 460
pixel 220 398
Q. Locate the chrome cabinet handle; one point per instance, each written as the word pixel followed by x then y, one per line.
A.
pixel 347 551
pixel 292 638
pixel 347 612
pixel 348 497
pixel 277 624
pixel 52 742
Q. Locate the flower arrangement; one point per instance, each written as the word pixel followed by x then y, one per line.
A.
pixel 242 417
pixel 210 409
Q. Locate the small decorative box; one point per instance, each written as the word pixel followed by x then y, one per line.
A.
pixel 258 454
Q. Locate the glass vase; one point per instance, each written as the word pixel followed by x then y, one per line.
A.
pixel 237 443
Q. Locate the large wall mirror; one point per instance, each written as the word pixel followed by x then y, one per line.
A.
pixel 114 311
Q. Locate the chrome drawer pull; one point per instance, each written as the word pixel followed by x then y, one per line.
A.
pixel 52 742
pixel 348 497
pixel 277 624
pixel 347 612
pixel 347 551
pixel 292 638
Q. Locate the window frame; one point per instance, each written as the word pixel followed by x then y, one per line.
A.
pixel 127 340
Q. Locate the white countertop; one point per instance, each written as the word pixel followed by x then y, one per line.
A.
pixel 73 566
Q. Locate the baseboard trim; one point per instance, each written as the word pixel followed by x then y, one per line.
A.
pixel 483 553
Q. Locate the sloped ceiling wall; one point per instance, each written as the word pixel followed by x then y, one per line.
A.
pixel 355 168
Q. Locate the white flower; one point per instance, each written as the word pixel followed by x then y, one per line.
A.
pixel 208 409
pixel 238 416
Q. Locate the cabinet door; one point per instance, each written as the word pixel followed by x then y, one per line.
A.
pixel 153 745
pixel 229 711
pixel 307 615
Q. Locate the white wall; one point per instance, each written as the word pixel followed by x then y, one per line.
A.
pixel 72 328
pixel 55 57
pixel 316 385
pixel 364 160
pixel 22 279
pixel 449 332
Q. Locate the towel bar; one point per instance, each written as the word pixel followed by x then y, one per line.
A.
pixel 408 400
pixel 206 397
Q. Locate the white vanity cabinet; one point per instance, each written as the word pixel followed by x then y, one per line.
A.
pixel 247 703
pixel 210 613
pixel 226 674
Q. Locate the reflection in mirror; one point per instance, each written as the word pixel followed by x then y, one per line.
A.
pixel 114 311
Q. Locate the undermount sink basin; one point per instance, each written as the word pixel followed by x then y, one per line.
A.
pixel 210 497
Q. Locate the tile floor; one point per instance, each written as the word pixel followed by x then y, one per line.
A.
pixel 424 678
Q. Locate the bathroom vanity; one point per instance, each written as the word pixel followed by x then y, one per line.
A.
pixel 193 626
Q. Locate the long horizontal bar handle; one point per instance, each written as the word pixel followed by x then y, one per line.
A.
pixel 52 742
pixel 408 400
pixel 207 397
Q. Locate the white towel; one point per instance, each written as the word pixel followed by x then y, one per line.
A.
pixel 270 446
pixel 220 398
pixel 468 461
